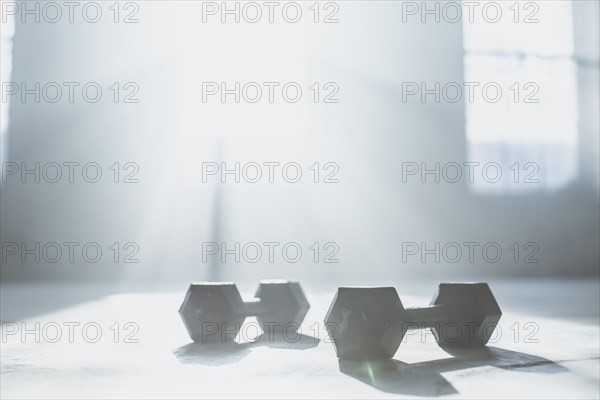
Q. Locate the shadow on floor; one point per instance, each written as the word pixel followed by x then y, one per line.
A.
pixel 233 352
pixel 425 379
pixel 21 301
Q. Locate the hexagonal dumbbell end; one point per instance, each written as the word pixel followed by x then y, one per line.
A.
pixel 212 312
pixel 363 322
pixel 283 304
pixel 473 317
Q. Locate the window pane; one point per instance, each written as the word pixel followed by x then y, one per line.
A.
pixel 538 103
pixel 544 28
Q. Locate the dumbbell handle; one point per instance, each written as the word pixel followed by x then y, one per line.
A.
pixel 427 317
pixel 255 307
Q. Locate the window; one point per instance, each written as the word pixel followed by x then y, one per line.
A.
pixel 531 131
pixel 6 33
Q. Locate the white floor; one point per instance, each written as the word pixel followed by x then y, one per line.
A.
pixel 549 354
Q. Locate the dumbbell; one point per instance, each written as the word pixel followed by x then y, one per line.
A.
pixel 366 323
pixel 214 312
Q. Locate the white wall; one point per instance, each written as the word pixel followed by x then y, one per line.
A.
pixel 369 134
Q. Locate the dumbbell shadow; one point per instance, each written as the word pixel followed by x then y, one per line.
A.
pixel 212 353
pixel 425 378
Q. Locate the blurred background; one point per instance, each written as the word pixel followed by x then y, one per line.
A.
pixel 385 103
